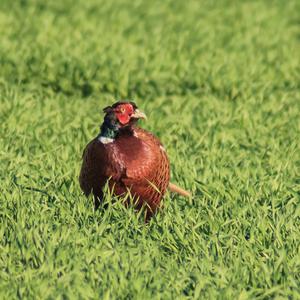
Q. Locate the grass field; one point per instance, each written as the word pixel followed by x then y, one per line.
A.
pixel 219 81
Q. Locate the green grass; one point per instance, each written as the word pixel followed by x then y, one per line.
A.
pixel 219 81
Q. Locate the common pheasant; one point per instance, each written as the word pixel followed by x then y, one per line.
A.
pixel 128 158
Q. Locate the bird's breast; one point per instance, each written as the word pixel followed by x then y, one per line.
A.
pixel 138 156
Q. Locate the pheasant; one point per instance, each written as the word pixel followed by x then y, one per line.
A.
pixel 128 158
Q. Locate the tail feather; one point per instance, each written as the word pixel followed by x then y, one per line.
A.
pixel 176 189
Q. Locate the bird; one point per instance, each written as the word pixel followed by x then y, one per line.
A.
pixel 128 159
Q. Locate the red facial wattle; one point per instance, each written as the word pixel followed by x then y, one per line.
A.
pixel 123 118
pixel 123 113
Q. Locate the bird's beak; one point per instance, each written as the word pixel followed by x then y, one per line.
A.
pixel 138 115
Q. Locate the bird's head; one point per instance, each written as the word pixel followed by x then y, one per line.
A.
pixel 124 113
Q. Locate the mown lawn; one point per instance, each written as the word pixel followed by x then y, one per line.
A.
pixel 219 81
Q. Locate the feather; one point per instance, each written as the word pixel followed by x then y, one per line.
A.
pixel 134 161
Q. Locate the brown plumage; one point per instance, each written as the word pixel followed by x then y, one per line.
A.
pixel 128 158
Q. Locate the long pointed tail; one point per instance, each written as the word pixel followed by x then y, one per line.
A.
pixel 176 189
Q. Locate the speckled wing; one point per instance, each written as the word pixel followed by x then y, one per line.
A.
pixel 99 164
